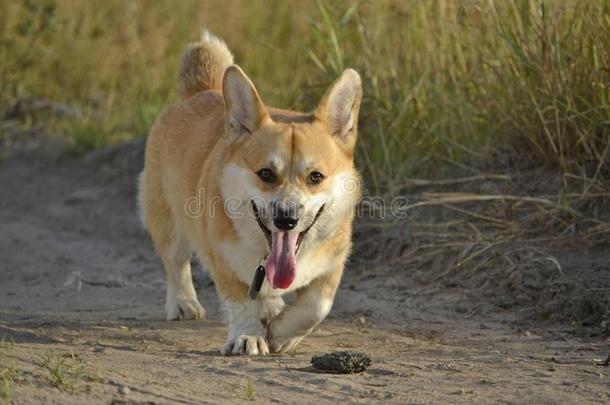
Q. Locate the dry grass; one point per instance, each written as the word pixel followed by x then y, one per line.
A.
pixel 534 240
pixel 445 80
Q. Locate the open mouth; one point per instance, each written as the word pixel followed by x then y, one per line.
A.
pixel 280 266
pixel 267 231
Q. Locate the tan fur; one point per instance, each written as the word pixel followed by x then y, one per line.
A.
pixel 193 146
pixel 203 65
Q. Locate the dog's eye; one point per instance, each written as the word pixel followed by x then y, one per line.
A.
pixel 266 175
pixel 315 178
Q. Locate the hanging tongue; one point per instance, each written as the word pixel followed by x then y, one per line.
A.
pixel 281 266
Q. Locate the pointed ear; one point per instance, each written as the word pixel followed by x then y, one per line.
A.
pixel 244 109
pixel 340 105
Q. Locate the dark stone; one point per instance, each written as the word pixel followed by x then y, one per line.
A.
pixel 342 362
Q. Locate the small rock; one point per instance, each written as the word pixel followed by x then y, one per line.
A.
pixel 124 390
pixel 342 362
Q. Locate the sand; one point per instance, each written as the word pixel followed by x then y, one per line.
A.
pixel 81 313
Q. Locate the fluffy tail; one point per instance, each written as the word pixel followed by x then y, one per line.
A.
pixel 203 65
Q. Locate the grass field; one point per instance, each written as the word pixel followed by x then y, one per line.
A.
pixel 490 119
pixel 444 81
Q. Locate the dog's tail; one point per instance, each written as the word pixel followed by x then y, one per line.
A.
pixel 203 65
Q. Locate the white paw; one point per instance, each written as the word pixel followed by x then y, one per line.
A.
pixel 246 344
pixel 184 309
pixel 284 344
pixel 281 338
pixel 279 344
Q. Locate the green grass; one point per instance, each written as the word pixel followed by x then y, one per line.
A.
pixel 249 390
pixel 58 369
pixel 7 373
pixel 64 370
pixel 445 81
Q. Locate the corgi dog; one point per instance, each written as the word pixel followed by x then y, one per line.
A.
pixel 242 184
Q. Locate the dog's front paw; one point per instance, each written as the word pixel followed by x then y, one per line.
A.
pixel 280 339
pixel 184 309
pixel 246 344
pixel 279 344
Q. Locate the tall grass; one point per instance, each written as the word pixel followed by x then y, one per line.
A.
pixel 444 81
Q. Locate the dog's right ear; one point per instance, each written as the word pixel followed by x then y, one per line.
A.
pixel 245 111
pixel 339 108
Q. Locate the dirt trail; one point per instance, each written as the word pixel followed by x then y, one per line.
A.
pixel 81 312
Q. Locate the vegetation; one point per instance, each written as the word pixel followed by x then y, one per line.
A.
pixel 7 373
pixel 444 80
pixel 249 389
pixel 64 369
pixel 57 372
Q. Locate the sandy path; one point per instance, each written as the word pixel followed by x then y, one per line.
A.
pixel 81 299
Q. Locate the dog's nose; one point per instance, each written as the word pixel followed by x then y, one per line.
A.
pixel 285 220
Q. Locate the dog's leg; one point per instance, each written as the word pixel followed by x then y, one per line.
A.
pixel 246 332
pixel 272 307
pixel 312 305
pixel 181 299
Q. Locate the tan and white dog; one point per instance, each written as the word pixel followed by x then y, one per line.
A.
pixel 241 184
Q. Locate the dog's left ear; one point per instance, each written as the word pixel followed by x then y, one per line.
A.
pixel 339 108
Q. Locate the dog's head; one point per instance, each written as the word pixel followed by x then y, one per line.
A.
pixel 290 176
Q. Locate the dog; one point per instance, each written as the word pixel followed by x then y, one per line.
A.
pixel 242 184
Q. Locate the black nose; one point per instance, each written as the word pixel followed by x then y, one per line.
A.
pixel 285 220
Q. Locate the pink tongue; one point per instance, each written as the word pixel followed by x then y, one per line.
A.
pixel 281 266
